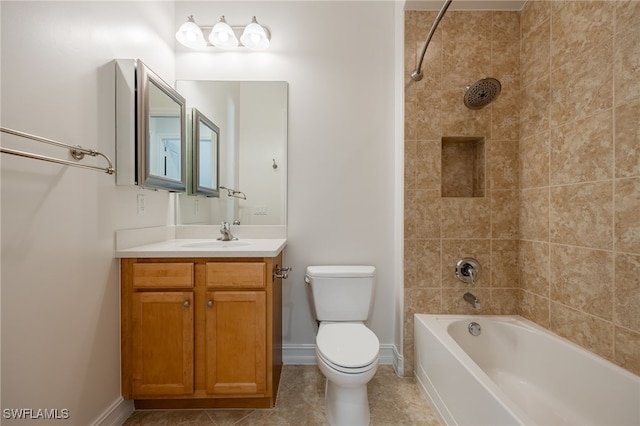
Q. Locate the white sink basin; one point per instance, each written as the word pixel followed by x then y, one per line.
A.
pixel 216 244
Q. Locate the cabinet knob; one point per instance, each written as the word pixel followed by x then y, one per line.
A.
pixel 186 303
pixel 210 303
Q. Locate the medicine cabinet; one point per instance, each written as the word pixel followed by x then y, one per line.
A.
pixel 150 129
pixel 205 156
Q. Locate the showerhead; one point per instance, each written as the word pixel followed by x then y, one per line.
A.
pixel 482 93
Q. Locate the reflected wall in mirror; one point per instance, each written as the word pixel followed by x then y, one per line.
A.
pixel 252 147
pixel 205 156
pixel 161 153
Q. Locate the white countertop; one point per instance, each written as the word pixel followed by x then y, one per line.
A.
pixel 198 247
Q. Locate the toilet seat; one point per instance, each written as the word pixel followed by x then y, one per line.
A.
pixel 338 368
pixel 347 347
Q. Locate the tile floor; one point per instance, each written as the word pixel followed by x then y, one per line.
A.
pixel 393 400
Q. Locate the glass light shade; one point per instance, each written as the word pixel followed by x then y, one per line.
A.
pixel 189 34
pixel 255 36
pixel 222 35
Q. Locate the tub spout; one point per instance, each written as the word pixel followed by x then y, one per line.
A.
pixel 473 300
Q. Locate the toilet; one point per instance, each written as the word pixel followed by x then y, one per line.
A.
pixel 347 351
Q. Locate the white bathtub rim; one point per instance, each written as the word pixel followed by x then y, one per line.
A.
pixel 441 333
pixel 487 383
pixel 519 321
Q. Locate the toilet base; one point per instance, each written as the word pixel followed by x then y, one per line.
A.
pixel 346 406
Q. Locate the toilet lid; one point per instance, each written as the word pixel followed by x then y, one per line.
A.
pixel 350 345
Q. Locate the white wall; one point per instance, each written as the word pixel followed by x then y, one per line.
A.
pixel 338 58
pixel 60 285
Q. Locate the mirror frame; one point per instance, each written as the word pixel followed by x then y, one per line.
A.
pixel 144 177
pixel 199 118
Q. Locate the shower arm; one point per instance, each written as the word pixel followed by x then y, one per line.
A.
pixel 416 75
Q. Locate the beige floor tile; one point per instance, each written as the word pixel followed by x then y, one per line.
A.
pixel 393 400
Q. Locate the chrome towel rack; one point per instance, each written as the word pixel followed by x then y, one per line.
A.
pixel 77 152
pixel 234 193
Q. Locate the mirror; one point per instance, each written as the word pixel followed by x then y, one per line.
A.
pixel 161 152
pixel 205 156
pixel 251 117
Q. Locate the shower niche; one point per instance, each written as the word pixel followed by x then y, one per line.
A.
pixel 463 166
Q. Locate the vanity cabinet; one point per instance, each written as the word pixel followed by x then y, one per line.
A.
pixel 201 332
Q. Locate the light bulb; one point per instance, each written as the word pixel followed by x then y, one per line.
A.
pixel 189 34
pixel 255 36
pixel 222 35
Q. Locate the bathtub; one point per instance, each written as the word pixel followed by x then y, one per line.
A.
pixel 517 373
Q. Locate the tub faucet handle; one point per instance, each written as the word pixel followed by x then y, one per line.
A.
pixel 468 270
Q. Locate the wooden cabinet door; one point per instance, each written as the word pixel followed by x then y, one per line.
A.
pixel 162 328
pixel 235 325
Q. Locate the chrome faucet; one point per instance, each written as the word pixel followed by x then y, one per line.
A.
pixel 471 299
pixel 225 230
pixel 468 270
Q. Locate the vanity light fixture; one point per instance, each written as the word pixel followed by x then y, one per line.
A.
pixel 189 34
pixel 222 35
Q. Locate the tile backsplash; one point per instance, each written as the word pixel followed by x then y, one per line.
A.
pixel 558 229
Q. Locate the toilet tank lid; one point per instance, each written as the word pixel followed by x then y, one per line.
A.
pixel 341 271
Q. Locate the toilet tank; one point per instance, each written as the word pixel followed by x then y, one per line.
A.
pixel 341 292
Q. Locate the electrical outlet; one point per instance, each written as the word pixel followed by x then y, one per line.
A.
pixel 196 206
pixel 260 210
pixel 142 204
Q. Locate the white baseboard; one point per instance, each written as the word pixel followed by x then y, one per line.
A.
pixel 116 414
pixel 299 354
pixel 398 362
pixel 305 354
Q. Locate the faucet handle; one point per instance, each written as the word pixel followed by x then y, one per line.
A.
pixel 225 230
pixel 468 270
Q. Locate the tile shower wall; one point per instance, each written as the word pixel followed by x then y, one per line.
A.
pixel 558 231
pixel 440 230
pixel 580 173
